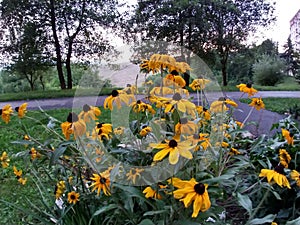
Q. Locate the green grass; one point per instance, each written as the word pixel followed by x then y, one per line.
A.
pixel 279 105
pixel 288 84
pixel 11 190
pixel 53 94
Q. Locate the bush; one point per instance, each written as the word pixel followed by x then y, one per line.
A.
pixel 268 70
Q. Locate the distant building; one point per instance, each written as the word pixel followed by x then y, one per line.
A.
pixel 295 30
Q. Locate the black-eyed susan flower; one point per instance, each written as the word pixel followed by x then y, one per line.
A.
pixel 234 151
pixel 160 91
pixel 221 105
pixel 73 125
pixel 145 130
pixel 174 80
pixel 161 61
pixel 133 174
pixel 181 67
pixel 174 148
pixel 182 105
pixel 21 110
pixel 34 153
pixel 140 106
pixel 257 103
pixel 295 175
pixel 199 84
pixel 89 113
pixel 203 112
pixel 284 158
pixel 151 193
pixel 60 188
pixel 119 130
pixel 201 140
pixel 193 191
pixel 4 160
pixel 6 112
pixel 276 175
pixel 118 97
pixel 289 137
pixel 247 88
pixel 102 131
pixel 274 223
pixel 184 126
pixel 130 89
pixel 73 197
pixel 101 182
pixel 19 176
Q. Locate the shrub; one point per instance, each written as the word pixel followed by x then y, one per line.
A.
pixel 268 70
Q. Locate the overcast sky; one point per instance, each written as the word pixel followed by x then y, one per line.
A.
pixel 279 32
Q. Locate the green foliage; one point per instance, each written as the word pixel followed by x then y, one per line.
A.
pixel 268 71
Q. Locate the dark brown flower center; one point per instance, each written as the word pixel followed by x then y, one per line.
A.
pixel 199 188
pixel 99 125
pixel 73 197
pixel 17 109
pixel 249 85
pixel 173 143
pixel 174 72
pixel 196 136
pixel 279 169
pixel 222 99
pixel 177 97
pixel 86 108
pixel 204 109
pixel 183 120
pixel 0 111
pixel 72 117
pixel 291 134
pixel 102 180
pixel 138 102
pixel 114 93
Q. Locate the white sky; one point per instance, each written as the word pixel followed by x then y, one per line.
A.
pixel 279 32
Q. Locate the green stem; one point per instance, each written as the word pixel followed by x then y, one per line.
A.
pixel 259 205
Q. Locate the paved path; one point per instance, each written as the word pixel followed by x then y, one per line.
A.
pixel 263 118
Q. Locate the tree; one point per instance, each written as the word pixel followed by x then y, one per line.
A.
pixel 202 25
pixel 72 29
pixel 291 58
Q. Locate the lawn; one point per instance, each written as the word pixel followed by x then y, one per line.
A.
pixel 11 190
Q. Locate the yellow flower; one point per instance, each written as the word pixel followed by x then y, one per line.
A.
pixel 73 197
pixel 273 223
pixel 174 79
pixel 247 88
pixel 192 191
pixel 119 130
pixel 220 105
pixel 4 160
pixel 203 112
pixel 60 188
pixel 295 175
pixel 257 103
pixel 21 110
pixel 19 174
pixel 145 130
pixel 117 97
pixel 130 89
pixel 6 112
pixel 161 91
pixel 133 174
pixel 183 105
pixel 89 113
pixel 34 154
pixel 234 151
pixel 276 175
pixel 140 106
pixel 288 136
pixel 73 125
pixel 185 127
pixel 284 158
pixel 102 130
pixel 101 182
pixel 174 148
pixel 150 193
pixel 199 84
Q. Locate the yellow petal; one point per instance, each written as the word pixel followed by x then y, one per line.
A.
pixel 161 154
pixel 174 156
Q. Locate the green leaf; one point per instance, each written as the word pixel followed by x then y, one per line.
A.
pixel 58 153
pixel 294 222
pixel 22 142
pixel 102 210
pixel 245 202
pixel 146 222
pixel 267 219
pixel 151 213
pixel 186 222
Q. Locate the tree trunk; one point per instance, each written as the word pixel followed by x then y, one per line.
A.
pixel 59 64
pixel 224 73
pixel 68 65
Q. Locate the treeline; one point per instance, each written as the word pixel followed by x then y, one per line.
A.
pixel 43 38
